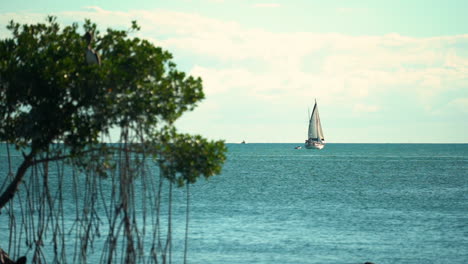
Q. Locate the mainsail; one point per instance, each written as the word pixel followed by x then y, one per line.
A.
pixel 315 127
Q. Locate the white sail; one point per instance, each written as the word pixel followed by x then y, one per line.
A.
pixel 315 127
pixel 315 138
pixel 313 124
pixel 319 128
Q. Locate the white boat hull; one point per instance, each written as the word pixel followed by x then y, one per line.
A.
pixel 314 145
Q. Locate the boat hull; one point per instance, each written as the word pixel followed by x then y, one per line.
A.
pixel 314 145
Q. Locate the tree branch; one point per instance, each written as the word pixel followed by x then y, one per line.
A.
pixel 12 188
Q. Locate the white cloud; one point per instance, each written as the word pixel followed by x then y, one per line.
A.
pixel 351 66
pixel 362 108
pixel 353 10
pixel 267 5
pixel 460 104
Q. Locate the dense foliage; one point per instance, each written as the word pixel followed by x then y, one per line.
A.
pixel 54 106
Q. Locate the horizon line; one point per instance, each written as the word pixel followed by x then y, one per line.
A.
pixel 439 143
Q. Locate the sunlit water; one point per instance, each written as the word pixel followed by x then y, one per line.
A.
pixel 347 203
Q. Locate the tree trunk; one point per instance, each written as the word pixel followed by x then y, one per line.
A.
pixel 10 191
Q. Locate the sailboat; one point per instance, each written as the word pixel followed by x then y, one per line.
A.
pixel 315 140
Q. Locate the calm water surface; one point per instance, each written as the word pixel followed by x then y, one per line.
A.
pixel 347 203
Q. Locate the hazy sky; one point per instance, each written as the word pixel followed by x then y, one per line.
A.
pixel 381 71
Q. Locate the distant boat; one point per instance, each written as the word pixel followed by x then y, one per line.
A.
pixel 243 142
pixel 297 147
pixel 315 140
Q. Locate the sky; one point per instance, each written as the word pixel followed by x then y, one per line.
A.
pixel 382 71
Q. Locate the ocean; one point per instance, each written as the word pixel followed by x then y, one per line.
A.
pixel 346 203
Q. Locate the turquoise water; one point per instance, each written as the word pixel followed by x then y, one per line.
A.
pixel 347 203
